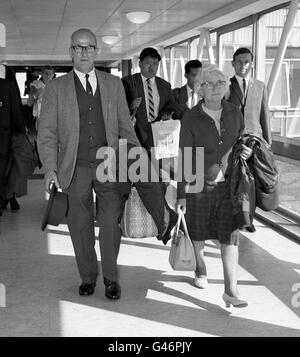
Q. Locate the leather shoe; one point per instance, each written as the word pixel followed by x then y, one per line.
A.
pixel 112 289
pixel 251 228
pixel 86 289
pixel 14 205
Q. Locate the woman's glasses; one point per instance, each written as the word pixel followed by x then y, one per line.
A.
pixel 211 85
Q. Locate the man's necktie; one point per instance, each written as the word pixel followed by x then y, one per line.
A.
pixel 244 87
pixel 151 103
pixel 244 96
pixel 89 89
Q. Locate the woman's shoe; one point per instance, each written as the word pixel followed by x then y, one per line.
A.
pixel 201 281
pixel 234 301
pixel 14 205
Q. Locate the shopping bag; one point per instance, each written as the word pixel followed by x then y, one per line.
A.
pixel 137 221
pixel 166 138
pixel 182 254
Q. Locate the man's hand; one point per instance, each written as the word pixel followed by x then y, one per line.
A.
pixel 246 152
pixel 167 116
pixel 181 205
pixel 51 179
pixel 135 103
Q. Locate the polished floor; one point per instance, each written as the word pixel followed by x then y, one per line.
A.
pixel 39 285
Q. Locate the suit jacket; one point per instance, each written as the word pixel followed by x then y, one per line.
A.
pixel 134 88
pixel 256 110
pixel 181 98
pixel 58 134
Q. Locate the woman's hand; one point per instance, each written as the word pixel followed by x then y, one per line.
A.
pixel 181 205
pixel 246 152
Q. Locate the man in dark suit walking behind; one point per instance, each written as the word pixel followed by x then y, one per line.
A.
pixel 81 112
pixel 149 97
pixel 250 95
pixel 187 96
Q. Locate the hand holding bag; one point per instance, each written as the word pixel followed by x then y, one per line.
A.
pixel 182 254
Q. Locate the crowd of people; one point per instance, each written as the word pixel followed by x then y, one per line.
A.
pixel 87 109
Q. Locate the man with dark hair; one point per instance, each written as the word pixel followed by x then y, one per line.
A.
pixel 187 96
pixel 149 97
pixel 250 95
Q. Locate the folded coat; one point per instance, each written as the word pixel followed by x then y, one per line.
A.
pixel 253 182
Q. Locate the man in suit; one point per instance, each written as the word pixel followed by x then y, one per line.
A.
pixel 187 96
pixel 149 97
pixel 11 121
pixel 81 112
pixel 250 95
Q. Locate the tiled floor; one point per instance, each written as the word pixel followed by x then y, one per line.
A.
pixel 39 285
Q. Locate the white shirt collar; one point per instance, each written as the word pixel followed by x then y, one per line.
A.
pixel 240 79
pixel 81 75
pixel 189 90
pixel 2 71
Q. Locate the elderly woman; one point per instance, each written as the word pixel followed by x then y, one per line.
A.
pixel 215 125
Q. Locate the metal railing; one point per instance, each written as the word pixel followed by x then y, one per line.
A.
pixel 285 121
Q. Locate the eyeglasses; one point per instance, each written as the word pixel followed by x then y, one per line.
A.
pixel 211 85
pixel 88 49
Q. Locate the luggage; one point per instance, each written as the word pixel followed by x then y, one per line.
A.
pixel 182 254
pixel 136 221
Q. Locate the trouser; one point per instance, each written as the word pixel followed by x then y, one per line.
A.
pixel 4 160
pixel 80 220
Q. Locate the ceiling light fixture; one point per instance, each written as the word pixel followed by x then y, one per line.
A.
pixel 138 17
pixel 109 40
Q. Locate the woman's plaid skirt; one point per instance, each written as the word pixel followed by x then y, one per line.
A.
pixel 209 215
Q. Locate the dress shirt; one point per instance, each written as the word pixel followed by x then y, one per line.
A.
pixel 155 95
pixel 92 79
pixel 191 102
pixel 240 82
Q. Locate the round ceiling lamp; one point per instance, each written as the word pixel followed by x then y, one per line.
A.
pixel 109 40
pixel 138 17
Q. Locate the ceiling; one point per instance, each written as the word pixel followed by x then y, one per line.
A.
pixel 39 30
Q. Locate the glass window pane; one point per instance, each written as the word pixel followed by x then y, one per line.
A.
pixel 284 103
pixel 180 59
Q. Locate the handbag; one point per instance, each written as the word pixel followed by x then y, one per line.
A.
pixel 182 254
pixel 137 221
pixel 166 138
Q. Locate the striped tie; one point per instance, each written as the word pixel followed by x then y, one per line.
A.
pixel 151 103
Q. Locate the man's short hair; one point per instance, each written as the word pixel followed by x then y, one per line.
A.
pixel 192 64
pixel 151 52
pixel 48 67
pixel 241 51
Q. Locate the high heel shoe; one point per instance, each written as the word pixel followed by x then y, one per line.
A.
pixel 234 301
